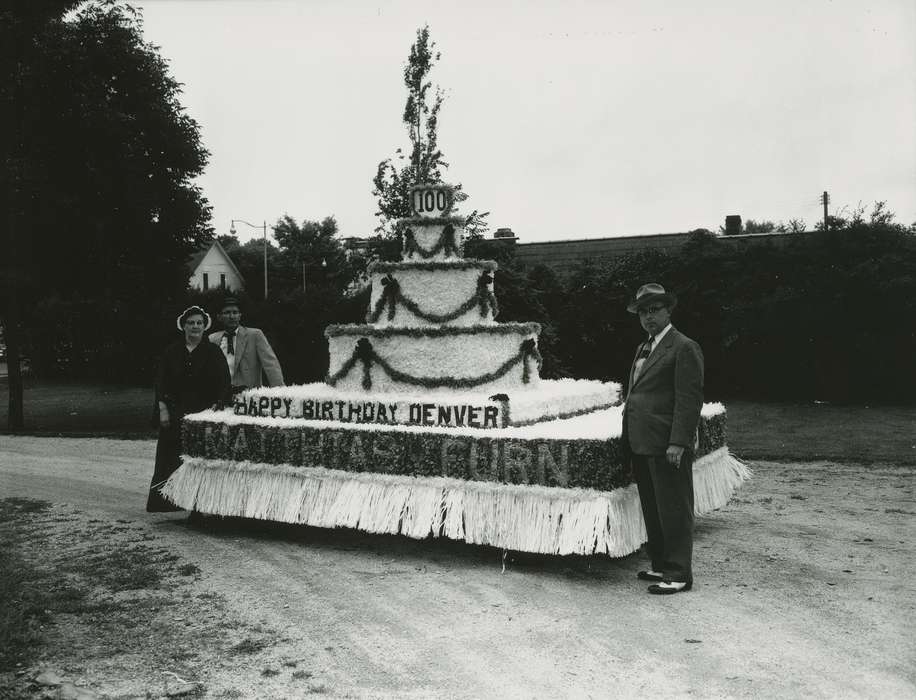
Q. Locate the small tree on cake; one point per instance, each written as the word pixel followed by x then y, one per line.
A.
pixel 394 177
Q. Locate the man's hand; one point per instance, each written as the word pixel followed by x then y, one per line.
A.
pixel 164 420
pixel 674 454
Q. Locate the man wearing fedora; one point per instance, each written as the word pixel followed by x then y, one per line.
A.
pixel 248 354
pixel 660 418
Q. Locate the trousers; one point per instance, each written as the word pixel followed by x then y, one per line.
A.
pixel 666 497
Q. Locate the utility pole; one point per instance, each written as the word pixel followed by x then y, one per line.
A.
pixel 825 199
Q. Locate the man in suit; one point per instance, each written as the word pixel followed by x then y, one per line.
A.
pixel 248 354
pixel 660 418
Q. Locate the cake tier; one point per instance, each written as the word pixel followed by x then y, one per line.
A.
pixel 432 239
pixel 490 359
pixel 432 293
pixel 550 400
pixel 583 451
pixel 561 487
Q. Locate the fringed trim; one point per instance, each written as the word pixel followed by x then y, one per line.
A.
pixel 716 476
pixel 521 518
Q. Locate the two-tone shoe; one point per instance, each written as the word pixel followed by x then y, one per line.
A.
pixel 670 587
pixel 650 575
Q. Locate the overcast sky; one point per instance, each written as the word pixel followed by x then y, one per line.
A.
pixel 563 119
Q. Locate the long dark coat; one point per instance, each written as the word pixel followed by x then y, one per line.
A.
pixel 187 382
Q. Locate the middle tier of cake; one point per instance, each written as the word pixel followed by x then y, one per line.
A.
pixel 432 293
pixel 487 358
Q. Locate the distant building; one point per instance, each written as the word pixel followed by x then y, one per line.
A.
pixel 353 245
pixel 212 268
pixel 563 257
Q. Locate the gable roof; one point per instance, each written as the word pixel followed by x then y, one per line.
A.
pixel 197 258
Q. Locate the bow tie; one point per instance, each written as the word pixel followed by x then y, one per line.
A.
pixel 646 348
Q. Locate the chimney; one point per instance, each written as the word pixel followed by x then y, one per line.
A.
pixel 506 235
pixel 732 225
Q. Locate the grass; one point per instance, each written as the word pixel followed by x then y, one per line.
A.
pixel 784 431
pixel 23 607
pixel 81 410
pixel 80 590
pixel 249 646
pixel 33 590
pixel 792 431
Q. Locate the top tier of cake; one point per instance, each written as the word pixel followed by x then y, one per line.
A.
pixel 431 320
pixel 432 233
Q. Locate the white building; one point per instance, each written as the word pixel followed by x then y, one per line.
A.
pixel 212 268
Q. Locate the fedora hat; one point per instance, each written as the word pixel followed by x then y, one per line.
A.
pixel 229 301
pixel 649 293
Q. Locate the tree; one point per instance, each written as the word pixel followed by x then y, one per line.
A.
pixel 426 162
pixel 98 203
pixel 825 315
pixel 312 254
pixel 751 226
pixel 19 26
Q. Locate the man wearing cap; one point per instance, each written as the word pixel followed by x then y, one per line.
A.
pixel 248 354
pixel 660 418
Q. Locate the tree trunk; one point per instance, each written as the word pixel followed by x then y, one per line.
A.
pixel 16 421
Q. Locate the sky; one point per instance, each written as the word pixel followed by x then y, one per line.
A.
pixel 563 119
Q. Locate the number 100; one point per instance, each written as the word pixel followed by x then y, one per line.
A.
pixel 430 201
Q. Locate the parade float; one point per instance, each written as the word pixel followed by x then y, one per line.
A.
pixel 433 421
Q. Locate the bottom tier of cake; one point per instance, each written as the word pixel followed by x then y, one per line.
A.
pixel 559 487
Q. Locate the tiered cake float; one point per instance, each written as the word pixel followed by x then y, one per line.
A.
pixel 434 422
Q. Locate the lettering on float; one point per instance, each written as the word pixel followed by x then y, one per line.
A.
pixel 424 414
pixel 546 463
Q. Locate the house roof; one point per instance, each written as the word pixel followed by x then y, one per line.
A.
pixel 197 258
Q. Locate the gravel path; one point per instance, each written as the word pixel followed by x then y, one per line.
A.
pixel 801 591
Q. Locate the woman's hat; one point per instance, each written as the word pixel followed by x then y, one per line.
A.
pixel 649 293
pixel 192 311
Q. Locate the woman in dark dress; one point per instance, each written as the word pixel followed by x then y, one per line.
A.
pixel 193 376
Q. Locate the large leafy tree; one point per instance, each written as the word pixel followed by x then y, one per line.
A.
pixel 98 203
pixel 311 254
pixel 425 161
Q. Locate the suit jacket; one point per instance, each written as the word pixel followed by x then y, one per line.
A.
pixel 254 358
pixel 663 404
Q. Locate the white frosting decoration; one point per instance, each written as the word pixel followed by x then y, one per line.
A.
pixel 551 399
pixel 428 236
pixel 464 356
pixel 435 292
pixel 598 425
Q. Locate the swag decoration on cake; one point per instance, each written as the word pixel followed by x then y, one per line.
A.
pixel 433 421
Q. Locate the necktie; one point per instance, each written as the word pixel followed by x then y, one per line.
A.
pixel 230 346
pixel 641 358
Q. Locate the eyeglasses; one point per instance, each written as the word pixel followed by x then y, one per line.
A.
pixel 654 309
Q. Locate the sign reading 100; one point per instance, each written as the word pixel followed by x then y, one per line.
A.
pixel 432 201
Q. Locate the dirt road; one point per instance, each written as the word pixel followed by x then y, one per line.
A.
pixel 803 589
